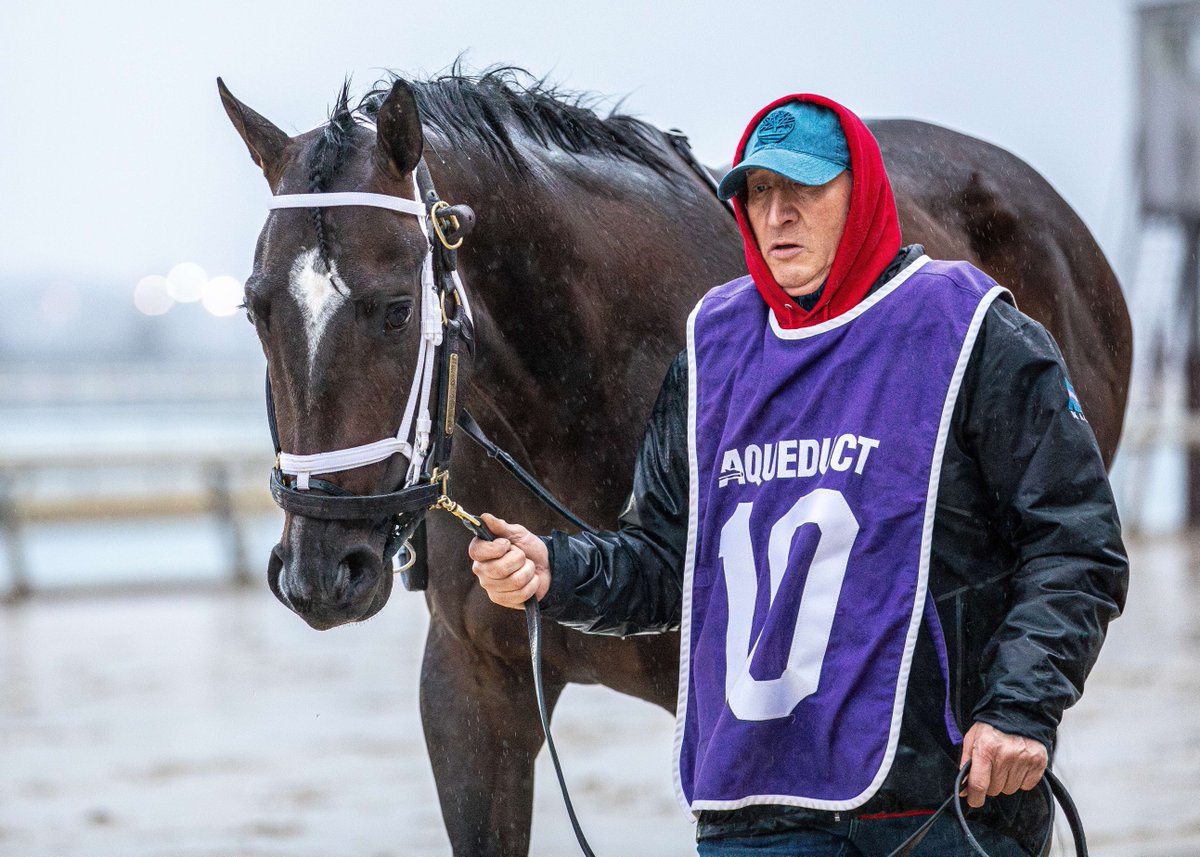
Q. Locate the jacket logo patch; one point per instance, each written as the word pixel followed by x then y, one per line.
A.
pixel 1073 406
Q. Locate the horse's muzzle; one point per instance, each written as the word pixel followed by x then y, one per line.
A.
pixel 326 581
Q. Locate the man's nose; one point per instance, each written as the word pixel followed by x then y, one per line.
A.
pixel 781 212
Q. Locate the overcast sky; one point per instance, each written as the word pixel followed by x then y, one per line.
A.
pixel 117 160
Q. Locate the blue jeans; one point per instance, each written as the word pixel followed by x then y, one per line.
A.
pixel 876 837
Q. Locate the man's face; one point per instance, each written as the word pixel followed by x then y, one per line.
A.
pixel 798 227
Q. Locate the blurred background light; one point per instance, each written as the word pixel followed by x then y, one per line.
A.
pixel 222 296
pixel 185 282
pixel 152 295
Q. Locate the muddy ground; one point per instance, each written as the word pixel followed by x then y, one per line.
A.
pixel 216 724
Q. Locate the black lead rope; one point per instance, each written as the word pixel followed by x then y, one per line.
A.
pixel 1054 790
pixel 533 623
pixel 467 423
pixel 533 615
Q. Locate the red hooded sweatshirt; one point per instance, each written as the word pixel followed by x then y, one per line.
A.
pixel 869 243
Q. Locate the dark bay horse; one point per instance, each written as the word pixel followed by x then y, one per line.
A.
pixel 593 243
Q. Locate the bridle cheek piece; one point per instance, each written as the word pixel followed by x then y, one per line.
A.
pixel 427 427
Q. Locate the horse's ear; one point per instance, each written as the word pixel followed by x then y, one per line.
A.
pixel 265 141
pixel 400 141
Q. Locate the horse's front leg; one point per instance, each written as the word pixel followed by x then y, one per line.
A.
pixel 483 735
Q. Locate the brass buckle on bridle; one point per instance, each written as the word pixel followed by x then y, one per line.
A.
pixel 447 505
pixel 436 219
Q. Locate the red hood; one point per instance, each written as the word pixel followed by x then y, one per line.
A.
pixel 869 243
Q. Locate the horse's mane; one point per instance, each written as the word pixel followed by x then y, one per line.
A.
pixel 484 109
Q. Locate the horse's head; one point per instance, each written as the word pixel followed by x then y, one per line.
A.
pixel 334 297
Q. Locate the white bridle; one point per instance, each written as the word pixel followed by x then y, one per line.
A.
pixel 304 466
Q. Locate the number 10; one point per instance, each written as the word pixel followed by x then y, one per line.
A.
pixel 767 699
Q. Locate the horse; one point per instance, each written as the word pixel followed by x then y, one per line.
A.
pixel 595 238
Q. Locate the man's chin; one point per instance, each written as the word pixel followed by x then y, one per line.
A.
pixel 807 287
pixel 798 279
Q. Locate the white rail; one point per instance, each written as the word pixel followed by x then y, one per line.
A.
pixel 37 489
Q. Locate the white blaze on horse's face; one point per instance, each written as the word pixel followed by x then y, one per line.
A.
pixel 317 297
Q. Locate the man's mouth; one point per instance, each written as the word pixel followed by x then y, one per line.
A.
pixel 784 250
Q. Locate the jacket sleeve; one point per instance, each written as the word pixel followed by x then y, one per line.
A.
pixel 630 581
pixel 1054 506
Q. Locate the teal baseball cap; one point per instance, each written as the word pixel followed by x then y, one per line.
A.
pixel 801 141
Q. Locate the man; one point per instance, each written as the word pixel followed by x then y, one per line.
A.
pixel 867 499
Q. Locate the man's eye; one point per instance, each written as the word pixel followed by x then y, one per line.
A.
pixel 398 315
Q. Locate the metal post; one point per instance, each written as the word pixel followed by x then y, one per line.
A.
pixel 220 486
pixel 1189 304
pixel 10 525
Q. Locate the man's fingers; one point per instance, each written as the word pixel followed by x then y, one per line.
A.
pixel 514 582
pixel 1032 767
pixel 495 554
pixel 514 590
pixel 1033 777
pixel 501 567
pixel 482 551
pixel 1022 767
pixel 501 528
pixel 1000 763
pixel 517 599
pixel 506 572
pixel 979 780
pixel 1007 779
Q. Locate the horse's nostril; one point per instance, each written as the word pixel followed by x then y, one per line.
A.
pixel 356 566
pixel 326 583
pixel 274 570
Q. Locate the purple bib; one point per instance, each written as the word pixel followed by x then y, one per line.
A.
pixel 815 455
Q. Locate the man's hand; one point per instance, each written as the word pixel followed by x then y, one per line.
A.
pixel 513 568
pixel 1000 763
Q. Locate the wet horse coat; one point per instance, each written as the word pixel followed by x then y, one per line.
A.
pixel 594 242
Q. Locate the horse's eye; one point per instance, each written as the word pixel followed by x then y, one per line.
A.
pixel 398 315
pixel 249 314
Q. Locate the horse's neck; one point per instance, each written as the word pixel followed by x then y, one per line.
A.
pixel 579 305
pixel 519 281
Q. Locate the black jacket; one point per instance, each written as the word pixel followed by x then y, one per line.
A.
pixel 1027 568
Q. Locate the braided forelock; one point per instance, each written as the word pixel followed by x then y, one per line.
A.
pixel 328 152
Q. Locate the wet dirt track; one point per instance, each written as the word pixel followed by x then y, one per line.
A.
pixel 218 724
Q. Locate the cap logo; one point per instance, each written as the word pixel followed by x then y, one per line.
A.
pixel 775 127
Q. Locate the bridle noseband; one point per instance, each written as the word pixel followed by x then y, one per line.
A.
pixel 427 427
